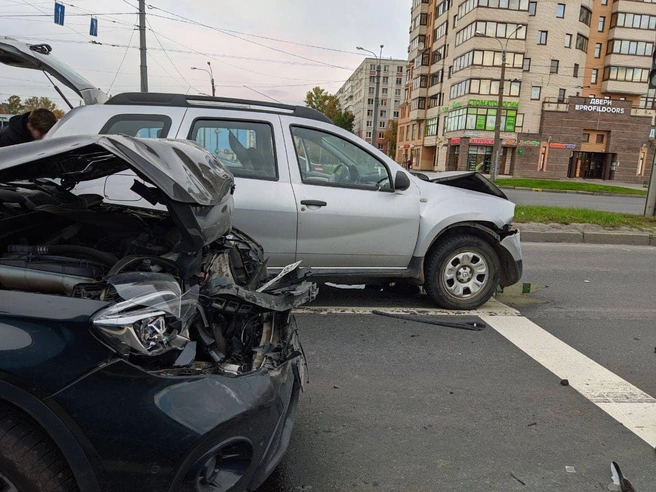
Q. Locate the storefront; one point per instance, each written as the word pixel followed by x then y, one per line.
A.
pixel 476 154
pixel 593 139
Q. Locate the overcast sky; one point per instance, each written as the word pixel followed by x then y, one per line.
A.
pixel 336 24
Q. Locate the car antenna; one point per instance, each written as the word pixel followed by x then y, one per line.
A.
pixel 58 89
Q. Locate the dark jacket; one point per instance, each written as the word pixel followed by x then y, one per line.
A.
pixel 16 132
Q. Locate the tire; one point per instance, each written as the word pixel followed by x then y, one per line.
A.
pixel 29 460
pixel 462 272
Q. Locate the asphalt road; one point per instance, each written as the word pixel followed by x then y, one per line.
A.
pixel 397 405
pixel 623 204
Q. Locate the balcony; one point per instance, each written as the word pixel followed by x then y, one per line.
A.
pixel 622 87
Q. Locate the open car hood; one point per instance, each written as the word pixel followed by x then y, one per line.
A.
pixel 194 185
pixel 38 57
pixel 467 180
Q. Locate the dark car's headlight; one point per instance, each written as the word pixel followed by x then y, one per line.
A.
pixel 126 326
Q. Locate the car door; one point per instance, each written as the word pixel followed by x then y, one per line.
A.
pixel 349 216
pixel 252 147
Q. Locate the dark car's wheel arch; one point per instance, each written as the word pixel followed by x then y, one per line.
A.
pixel 485 231
pixel 36 412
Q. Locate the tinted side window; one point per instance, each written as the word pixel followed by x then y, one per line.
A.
pixel 244 147
pixel 138 125
pixel 328 160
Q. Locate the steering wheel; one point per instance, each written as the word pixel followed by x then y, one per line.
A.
pixel 344 177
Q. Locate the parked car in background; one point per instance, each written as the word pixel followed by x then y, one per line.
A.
pixel 312 192
pixel 140 350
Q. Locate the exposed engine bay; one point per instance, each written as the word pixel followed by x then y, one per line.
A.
pixel 170 306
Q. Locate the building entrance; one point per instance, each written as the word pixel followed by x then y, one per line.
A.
pixel 592 165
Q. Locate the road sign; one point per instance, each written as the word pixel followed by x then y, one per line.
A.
pixel 59 13
pixel 93 28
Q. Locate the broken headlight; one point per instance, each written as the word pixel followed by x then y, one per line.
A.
pixel 152 318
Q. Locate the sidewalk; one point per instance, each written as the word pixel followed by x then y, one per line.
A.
pixel 585 233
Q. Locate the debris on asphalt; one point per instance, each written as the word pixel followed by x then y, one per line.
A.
pixel 620 483
pixel 513 475
pixel 564 382
pixel 532 424
pixel 570 469
pixel 586 281
pixel 468 325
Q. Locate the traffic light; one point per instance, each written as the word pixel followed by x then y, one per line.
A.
pixel 652 73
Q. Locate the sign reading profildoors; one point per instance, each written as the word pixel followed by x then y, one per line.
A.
pixel 600 106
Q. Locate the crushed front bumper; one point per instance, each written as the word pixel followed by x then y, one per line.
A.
pixel 147 432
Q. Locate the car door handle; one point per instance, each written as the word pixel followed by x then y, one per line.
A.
pixel 313 203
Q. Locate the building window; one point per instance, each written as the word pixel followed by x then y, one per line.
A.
pixel 397 92
pixel 369 124
pixel 487 58
pixel 597 50
pixel 585 138
pixel 372 67
pixel 626 74
pixel 484 87
pixel 626 47
pixel 554 66
pixel 396 114
pixel 481 119
pixel 399 69
pixel 561 95
pixel 560 11
pixel 601 24
pixel 604 2
pixel 385 80
pixel 532 8
pixel 594 76
pixel 370 112
pixel 581 43
pixel 368 134
pixel 372 91
pixel 527 65
pixel 370 101
pixel 535 92
pixel 384 91
pixel 542 37
pixel 585 16
pixel 576 70
pixel 383 114
pixel 399 80
pixel 381 124
pixel 491 29
pixel 634 21
pixel 431 127
pixel 568 40
pixel 600 138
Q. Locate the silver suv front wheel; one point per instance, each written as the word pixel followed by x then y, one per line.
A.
pixel 462 272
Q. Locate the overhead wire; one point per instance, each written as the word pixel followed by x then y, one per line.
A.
pixel 122 60
pixel 246 40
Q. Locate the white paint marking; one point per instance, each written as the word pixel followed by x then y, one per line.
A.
pixel 632 407
pixel 492 308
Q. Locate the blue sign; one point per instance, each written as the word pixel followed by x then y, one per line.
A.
pixel 93 29
pixel 59 13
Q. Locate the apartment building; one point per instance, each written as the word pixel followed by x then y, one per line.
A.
pixel 358 93
pixel 576 99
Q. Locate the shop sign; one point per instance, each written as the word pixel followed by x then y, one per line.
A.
pixel 481 141
pixel 492 103
pixel 406 146
pixel 510 143
pixel 455 141
pixel 529 143
pixel 562 146
pixel 599 106
pixel 471 134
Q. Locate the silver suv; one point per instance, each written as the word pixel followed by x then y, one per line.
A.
pixel 312 192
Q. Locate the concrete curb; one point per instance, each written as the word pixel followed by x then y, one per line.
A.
pixel 589 237
pixel 571 192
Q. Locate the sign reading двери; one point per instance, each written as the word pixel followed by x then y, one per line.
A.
pixel 600 106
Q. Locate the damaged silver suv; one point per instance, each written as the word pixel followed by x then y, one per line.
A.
pixel 312 192
pixel 140 349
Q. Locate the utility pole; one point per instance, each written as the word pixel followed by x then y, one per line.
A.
pixel 142 45
pixel 374 137
pixel 650 205
pixel 496 150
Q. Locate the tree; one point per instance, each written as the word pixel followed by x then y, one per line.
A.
pixel 391 136
pixel 14 105
pixel 328 104
pixel 32 103
pixel 344 120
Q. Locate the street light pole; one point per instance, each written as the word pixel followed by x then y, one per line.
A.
pixel 374 138
pixel 209 72
pixel 212 79
pixel 496 150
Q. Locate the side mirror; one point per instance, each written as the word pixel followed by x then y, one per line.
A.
pixel 401 181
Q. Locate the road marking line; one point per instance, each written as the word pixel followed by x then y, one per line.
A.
pixel 627 404
pixel 492 308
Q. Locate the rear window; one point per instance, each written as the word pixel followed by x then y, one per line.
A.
pixel 138 125
pixel 244 147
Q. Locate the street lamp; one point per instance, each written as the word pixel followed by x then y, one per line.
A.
pixel 374 139
pixel 211 73
pixel 496 151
